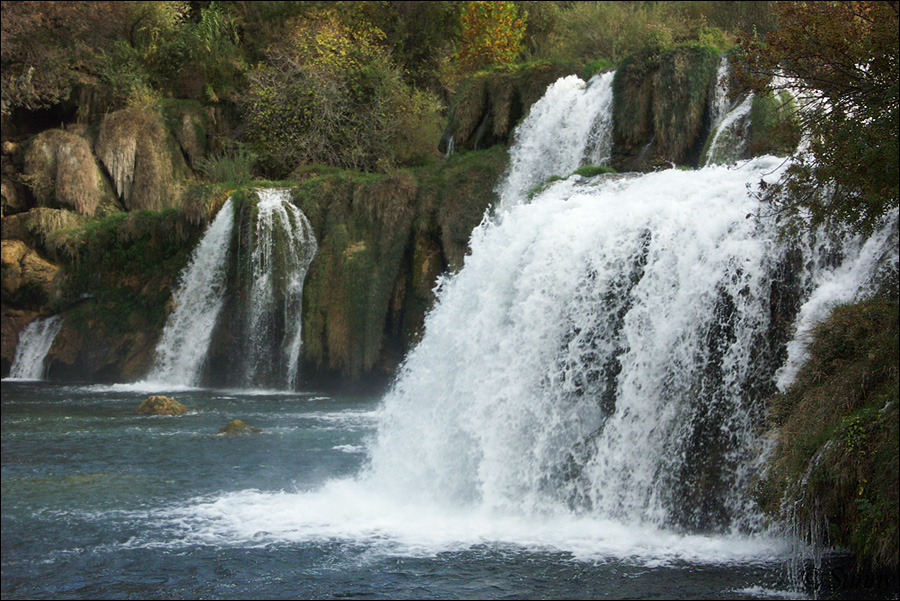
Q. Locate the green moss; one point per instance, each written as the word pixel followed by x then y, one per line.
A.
pixel 593 170
pixel 660 103
pixel 837 435
pixel 363 222
pixel 127 263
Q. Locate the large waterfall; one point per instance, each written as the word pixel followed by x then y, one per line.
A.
pixel 269 261
pixel 607 348
pixel 593 379
pixel 35 341
pixel 606 351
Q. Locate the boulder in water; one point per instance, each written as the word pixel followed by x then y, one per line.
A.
pixel 161 405
pixel 236 428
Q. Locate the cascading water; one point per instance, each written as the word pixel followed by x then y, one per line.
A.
pixel 35 341
pixel 730 123
pixel 283 246
pixel 590 382
pixel 570 126
pixel 605 350
pixel 182 350
pixel 271 264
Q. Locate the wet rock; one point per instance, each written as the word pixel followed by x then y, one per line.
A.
pixel 236 428
pixel 161 405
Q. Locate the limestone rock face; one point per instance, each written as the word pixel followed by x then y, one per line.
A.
pixel 236 427
pixel 60 169
pixel 143 159
pixel 26 273
pixel 161 405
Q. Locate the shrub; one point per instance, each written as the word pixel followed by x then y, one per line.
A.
pixel 330 94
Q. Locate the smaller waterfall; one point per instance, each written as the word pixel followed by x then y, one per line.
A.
pixel 729 139
pixel 183 347
pixel 35 341
pixel 283 247
pixel 721 103
pixel 570 126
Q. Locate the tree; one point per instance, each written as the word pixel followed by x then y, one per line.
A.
pixel 841 58
pixel 330 93
pixel 491 35
pixel 50 48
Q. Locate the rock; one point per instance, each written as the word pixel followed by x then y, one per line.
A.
pixel 161 405
pixel 143 158
pixel 60 169
pixel 236 427
pixel 27 278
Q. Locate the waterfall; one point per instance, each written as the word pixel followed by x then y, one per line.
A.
pixel 728 142
pixel 263 319
pixel 721 102
pixel 570 126
pixel 184 344
pixel 35 341
pixel 607 348
pixel 283 246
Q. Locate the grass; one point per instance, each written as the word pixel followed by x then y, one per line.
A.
pixel 836 432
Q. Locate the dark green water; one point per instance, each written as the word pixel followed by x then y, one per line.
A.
pixel 98 502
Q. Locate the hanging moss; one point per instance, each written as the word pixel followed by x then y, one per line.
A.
pixel 835 465
pixel 660 106
pixel 142 158
pixel 62 172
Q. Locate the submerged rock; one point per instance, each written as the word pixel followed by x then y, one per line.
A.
pixel 236 427
pixel 161 405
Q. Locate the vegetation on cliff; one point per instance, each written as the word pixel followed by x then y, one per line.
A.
pixel 834 470
pixel 841 58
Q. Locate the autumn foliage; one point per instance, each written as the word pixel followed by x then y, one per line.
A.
pixel 491 35
pixel 842 60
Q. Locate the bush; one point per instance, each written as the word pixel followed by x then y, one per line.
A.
pixel 330 94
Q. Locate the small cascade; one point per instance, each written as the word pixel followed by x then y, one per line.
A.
pixel 721 103
pixel 569 127
pixel 183 347
pixel 35 341
pixel 243 285
pixel 281 248
pixel 729 140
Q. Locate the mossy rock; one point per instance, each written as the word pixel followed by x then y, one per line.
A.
pixel 835 470
pixel 238 428
pixel 61 171
pixel 661 107
pixel 143 158
pixel 161 405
